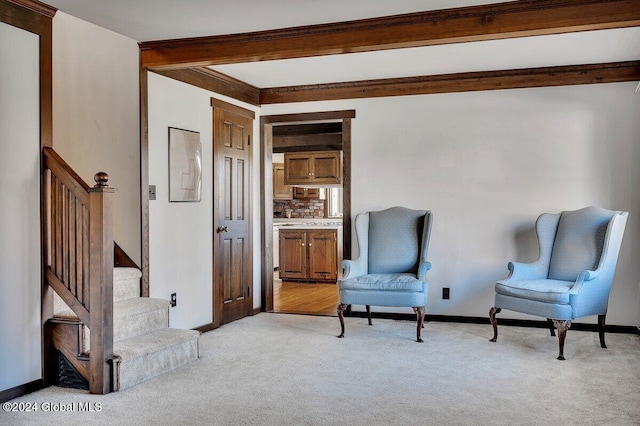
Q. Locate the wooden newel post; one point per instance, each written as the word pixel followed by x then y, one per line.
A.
pixel 101 284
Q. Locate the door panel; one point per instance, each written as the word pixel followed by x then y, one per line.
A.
pixel 293 254
pixel 241 196
pixel 326 167
pixel 280 190
pixel 298 168
pixel 232 265
pixel 323 262
pixel 227 188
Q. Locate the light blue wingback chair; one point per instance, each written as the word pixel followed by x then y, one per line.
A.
pixel 391 269
pixel 573 274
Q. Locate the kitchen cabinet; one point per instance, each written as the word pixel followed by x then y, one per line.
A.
pixel 308 254
pixel 280 190
pixel 299 192
pixel 310 168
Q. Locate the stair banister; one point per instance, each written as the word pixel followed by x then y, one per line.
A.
pixel 80 257
pixel 101 287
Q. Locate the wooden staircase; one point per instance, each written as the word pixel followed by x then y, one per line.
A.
pixel 99 330
pixel 144 346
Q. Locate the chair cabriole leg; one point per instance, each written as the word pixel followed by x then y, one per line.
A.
pixel 601 323
pixel 341 308
pixel 492 317
pixel 551 328
pixel 562 326
pixel 419 310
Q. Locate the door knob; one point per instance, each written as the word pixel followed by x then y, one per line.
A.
pixel 222 229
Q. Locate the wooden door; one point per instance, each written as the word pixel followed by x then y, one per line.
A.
pixel 322 252
pixel 293 254
pixel 232 260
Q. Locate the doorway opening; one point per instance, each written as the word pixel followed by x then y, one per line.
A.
pixel 320 211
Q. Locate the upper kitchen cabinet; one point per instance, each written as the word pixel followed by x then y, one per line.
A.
pixel 280 190
pixel 310 168
pixel 299 192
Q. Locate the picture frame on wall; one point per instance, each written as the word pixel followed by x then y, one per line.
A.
pixel 185 165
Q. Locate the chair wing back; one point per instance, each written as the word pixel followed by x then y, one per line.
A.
pixel 580 239
pixel 396 238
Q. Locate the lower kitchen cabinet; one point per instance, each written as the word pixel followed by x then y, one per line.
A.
pixel 308 254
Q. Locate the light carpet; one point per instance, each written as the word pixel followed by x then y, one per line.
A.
pixel 275 369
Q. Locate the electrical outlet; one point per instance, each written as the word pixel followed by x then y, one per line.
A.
pixel 445 293
pixel 174 300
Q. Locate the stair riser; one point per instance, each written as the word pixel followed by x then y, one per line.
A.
pixel 137 370
pixel 126 289
pixel 126 283
pixel 135 325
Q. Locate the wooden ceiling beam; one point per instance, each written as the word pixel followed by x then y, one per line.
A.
pixel 475 23
pixel 461 82
pixel 307 129
pixel 319 142
pixel 217 82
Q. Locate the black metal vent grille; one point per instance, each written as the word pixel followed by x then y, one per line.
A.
pixel 68 376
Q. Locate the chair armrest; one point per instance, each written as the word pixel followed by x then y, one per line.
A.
pixel 422 270
pixel 353 268
pixel 584 276
pixel 526 271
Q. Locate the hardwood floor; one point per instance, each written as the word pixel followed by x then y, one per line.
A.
pixel 304 298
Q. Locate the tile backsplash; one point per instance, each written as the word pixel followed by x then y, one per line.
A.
pixel 300 208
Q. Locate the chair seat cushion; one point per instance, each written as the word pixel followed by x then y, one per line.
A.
pixel 383 282
pixel 549 291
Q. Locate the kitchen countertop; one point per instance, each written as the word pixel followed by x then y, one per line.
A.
pixel 317 223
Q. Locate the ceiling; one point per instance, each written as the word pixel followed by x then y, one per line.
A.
pixel 147 20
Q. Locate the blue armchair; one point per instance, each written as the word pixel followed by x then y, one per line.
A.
pixel 573 274
pixel 391 269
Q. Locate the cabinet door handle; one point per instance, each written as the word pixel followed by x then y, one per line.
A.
pixel 302 244
pixel 310 244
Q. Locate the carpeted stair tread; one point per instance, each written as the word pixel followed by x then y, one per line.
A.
pixel 152 342
pixel 129 307
pixel 131 317
pixel 147 356
pixel 134 310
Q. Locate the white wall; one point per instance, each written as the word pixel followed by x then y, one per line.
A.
pixel 96 115
pixel 181 234
pixel 20 207
pixel 487 164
